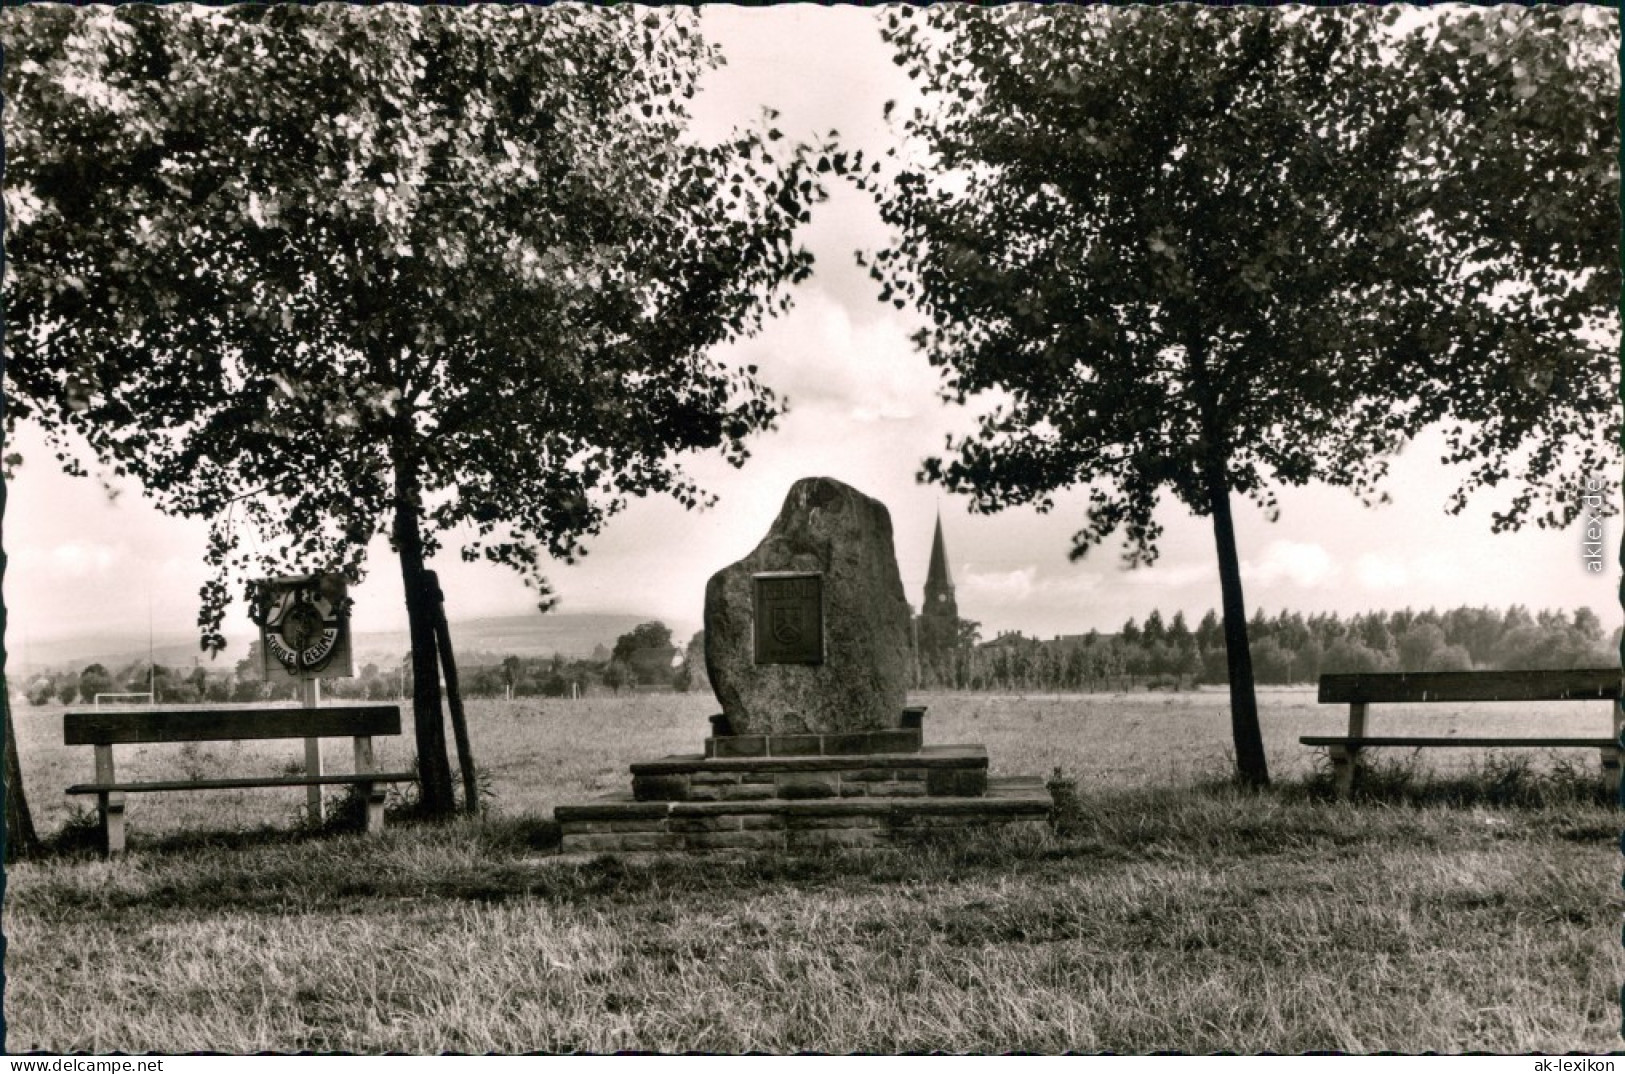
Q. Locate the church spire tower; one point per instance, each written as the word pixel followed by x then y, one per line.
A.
pixel 939 618
pixel 939 584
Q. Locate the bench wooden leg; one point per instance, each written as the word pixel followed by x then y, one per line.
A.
pixel 372 793
pixel 1610 770
pixel 109 804
pixel 110 808
pixel 1344 760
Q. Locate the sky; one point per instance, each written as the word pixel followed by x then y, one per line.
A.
pixel 862 408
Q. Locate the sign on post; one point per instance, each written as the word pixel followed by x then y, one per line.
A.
pixel 304 623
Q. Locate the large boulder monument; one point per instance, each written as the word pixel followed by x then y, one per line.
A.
pixel 809 647
pixel 810 633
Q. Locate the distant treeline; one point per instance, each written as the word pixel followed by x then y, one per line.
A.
pixel 1158 653
pixel 1287 648
pixel 643 659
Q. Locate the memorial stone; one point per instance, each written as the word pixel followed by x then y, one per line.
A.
pixel 807 641
pixel 809 634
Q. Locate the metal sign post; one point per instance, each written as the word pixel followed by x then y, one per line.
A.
pixel 310 697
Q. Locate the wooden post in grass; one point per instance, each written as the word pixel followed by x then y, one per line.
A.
pixel 454 693
pixel 310 697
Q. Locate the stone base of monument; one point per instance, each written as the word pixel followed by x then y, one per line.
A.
pixel 802 792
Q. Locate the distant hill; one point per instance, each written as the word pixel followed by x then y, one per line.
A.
pixel 476 641
pixel 114 651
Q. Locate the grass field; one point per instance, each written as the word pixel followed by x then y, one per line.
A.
pixel 1474 911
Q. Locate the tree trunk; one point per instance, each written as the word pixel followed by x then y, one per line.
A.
pixel 21 841
pixel 18 838
pixel 434 767
pixel 1249 740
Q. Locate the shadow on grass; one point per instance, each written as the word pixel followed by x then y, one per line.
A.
pixel 345 818
pixel 494 858
pixel 1499 781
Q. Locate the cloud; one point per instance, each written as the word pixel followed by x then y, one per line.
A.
pixel 70 560
pixel 1302 563
pixel 1377 571
pixel 832 370
pixel 1021 585
pixel 1432 567
pixel 998 587
pixel 1168 577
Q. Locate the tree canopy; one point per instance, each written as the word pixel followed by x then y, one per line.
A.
pixel 647 652
pixel 1215 251
pixel 321 273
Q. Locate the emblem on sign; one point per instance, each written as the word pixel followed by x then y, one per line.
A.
pixel 789 622
pixel 304 624
pixel 786 624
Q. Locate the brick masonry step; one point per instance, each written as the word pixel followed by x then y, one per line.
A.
pixel 901 740
pixel 913 719
pixel 1005 798
pixel 942 771
pixel 852 833
pixel 966 756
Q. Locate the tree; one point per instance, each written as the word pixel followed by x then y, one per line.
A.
pixel 94 680
pixel 1195 251
pixel 512 669
pixel 1179 633
pixel 325 273
pixel 1514 123
pixel 1154 631
pixel 18 839
pixel 646 652
pixel 967 634
pixel 1350 655
pixel 1306 661
pixel 1587 625
pixel 1417 646
pixel 1209 633
pixel 1449 658
pixel 1272 663
pixel 699 678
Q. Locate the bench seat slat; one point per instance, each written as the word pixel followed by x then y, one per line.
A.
pixel 1574 684
pixel 109 727
pixel 1455 740
pixel 224 784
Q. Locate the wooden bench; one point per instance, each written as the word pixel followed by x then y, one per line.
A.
pixel 106 728
pixel 1361 691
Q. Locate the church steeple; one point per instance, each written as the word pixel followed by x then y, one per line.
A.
pixel 937 578
pixel 939 618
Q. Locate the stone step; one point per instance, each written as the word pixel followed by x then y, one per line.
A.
pixel 969 755
pixel 1008 794
pixel 621 823
pixel 897 740
pixel 953 771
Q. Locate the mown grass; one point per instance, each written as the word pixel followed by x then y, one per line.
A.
pixel 1441 911
pixel 539 753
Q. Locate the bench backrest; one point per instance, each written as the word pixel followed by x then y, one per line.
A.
pixel 1567 685
pixel 105 727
